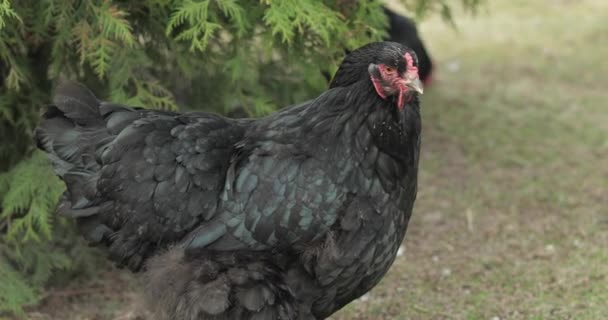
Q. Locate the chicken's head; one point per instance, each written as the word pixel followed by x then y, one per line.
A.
pixel 392 67
pixel 395 75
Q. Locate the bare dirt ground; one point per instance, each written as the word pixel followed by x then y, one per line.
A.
pixel 511 221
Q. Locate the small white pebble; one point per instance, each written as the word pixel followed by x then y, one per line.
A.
pixel 435 258
pixel 432 217
pixel 550 248
pixel 400 251
pixel 548 52
pixel 453 66
pixel 364 298
pixel 495 318
pixel 446 272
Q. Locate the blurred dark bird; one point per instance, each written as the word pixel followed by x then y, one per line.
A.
pixel 403 30
pixel 291 216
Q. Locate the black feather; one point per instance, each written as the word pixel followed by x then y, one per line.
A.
pixel 77 103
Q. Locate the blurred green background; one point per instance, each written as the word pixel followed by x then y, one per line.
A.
pixel 511 220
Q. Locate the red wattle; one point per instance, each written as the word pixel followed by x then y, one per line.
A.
pixel 400 100
pixel 378 88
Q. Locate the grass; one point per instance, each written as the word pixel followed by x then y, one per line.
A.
pixel 511 220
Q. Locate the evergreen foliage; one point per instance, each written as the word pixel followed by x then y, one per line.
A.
pixel 200 54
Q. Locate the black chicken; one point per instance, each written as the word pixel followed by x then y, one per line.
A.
pixel 291 216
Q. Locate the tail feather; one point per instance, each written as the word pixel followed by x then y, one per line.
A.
pixel 81 186
pixel 78 103
pixel 69 127
pixel 76 132
pixel 70 131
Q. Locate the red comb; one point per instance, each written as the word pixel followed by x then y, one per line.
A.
pixel 411 68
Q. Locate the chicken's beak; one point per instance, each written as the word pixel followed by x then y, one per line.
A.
pixel 415 84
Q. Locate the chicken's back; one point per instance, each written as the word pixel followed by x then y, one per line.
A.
pixel 136 179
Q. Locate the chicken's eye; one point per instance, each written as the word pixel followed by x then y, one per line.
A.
pixel 389 70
